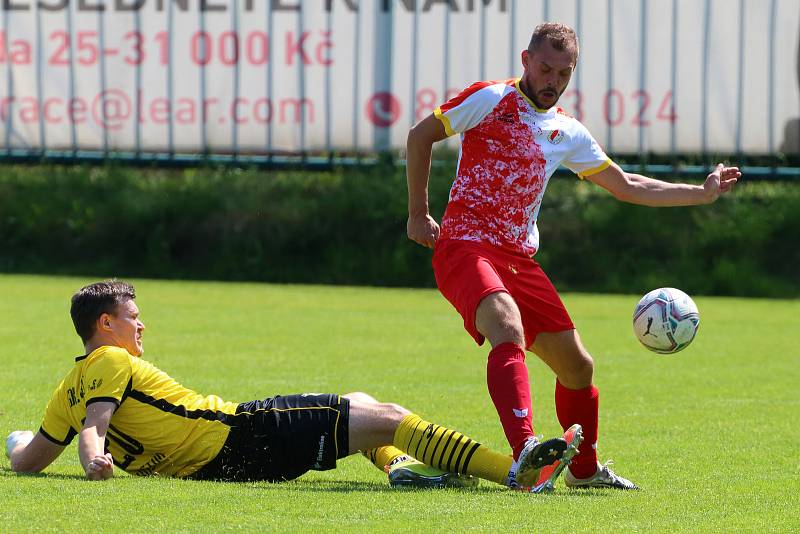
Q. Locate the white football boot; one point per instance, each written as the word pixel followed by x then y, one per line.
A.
pixel 603 478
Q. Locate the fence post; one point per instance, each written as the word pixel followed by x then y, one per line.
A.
pixel 382 75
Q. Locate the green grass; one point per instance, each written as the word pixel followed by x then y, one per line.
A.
pixel 709 434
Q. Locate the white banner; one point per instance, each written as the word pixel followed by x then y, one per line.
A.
pixel 289 76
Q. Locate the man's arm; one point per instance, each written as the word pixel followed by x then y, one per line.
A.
pixel 421 227
pixel 31 453
pixel 638 189
pixel 97 464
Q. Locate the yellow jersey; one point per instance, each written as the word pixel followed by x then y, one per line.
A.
pixel 159 426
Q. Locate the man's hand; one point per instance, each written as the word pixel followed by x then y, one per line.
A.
pixel 100 467
pixel 16 439
pixel 423 230
pixel 720 181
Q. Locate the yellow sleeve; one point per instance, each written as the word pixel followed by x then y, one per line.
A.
pixel 588 172
pixel 107 377
pixel 448 128
pixel 55 425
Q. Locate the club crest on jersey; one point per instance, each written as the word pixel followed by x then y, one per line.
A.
pixel 555 137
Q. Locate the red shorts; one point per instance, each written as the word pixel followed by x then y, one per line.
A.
pixel 467 271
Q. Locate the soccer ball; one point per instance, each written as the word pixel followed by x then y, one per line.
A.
pixel 666 320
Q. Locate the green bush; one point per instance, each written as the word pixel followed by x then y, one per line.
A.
pixel 744 244
pixel 348 227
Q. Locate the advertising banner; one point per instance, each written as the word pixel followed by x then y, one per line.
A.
pixel 316 76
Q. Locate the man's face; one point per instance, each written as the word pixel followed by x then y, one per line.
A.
pixel 125 327
pixel 546 74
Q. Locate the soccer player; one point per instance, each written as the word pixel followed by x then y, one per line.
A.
pixel 513 137
pixel 128 413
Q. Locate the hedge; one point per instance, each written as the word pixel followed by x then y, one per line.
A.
pixel 347 226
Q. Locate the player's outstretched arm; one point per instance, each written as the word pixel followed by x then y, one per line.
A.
pixel 31 453
pixel 638 189
pixel 421 227
pixel 97 464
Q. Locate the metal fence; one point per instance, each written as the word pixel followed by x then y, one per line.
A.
pixel 322 82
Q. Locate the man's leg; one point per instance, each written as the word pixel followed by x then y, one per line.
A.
pixel 498 319
pixel 469 276
pixel 374 425
pixel 405 470
pixel 381 457
pixel 474 277
pixel 577 399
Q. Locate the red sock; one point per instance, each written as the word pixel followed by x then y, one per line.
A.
pixel 507 377
pixel 580 406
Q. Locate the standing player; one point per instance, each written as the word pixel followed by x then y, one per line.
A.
pixel 128 413
pixel 513 137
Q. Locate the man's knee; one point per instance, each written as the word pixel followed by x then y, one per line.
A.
pixel 389 417
pixel 579 374
pixel 376 415
pixel 383 410
pixel 564 353
pixel 585 369
pixel 373 424
pixel 393 412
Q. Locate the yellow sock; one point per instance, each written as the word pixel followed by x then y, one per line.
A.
pixel 383 456
pixel 452 451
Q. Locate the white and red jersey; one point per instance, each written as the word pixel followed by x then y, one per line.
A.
pixel 509 150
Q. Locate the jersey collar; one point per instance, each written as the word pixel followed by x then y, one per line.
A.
pixel 521 92
pixel 79 358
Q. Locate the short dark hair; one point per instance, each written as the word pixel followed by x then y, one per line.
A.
pixel 92 301
pixel 560 36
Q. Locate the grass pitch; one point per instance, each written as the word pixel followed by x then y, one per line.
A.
pixel 709 434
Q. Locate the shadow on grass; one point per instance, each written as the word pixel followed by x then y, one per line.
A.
pixel 485 488
pixel 340 486
pixel 352 486
pixel 6 472
pixel 335 486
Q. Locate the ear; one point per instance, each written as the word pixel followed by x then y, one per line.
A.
pixel 524 57
pixel 104 323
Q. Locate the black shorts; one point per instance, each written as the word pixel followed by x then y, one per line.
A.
pixel 280 438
